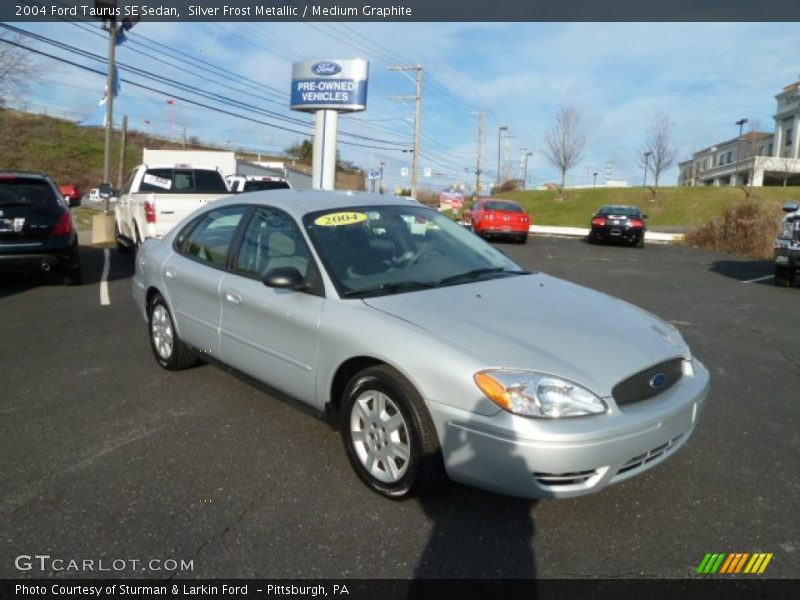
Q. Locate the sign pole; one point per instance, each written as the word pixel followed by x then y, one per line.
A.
pixel 324 158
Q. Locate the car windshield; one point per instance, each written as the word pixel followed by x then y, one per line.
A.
pixel 628 211
pixel 380 250
pixel 259 185
pixel 25 191
pixel 498 205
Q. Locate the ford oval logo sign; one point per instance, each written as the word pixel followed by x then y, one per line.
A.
pixel 658 381
pixel 326 68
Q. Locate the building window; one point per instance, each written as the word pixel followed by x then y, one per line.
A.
pixel 729 159
pixel 769 150
pixel 789 136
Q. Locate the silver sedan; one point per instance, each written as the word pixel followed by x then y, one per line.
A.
pixel 434 354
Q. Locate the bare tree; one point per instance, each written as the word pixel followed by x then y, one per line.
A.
pixel 563 143
pixel 16 67
pixel 658 153
pixel 786 165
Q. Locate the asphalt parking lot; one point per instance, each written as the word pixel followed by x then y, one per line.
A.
pixel 107 456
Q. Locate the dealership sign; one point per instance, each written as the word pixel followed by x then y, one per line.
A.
pixel 339 85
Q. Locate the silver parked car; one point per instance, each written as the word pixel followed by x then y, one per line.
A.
pixel 434 353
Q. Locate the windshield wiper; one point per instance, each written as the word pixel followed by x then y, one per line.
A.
pixel 391 288
pixel 476 273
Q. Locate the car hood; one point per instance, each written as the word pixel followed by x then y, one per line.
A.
pixel 542 323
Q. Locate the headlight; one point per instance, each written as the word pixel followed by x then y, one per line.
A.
pixel 533 394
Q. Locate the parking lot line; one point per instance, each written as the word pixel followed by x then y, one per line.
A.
pixel 758 279
pixel 104 299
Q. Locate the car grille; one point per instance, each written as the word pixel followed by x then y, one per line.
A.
pixel 643 459
pixel 639 386
pixel 559 479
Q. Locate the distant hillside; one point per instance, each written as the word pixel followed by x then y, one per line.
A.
pixel 678 207
pixel 73 154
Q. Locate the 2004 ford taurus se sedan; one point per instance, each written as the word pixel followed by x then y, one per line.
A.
pixel 434 353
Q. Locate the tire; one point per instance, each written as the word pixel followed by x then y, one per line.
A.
pixel 591 239
pixel 784 276
pixel 523 239
pixel 170 352
pixel 381 410
pixel 121 248
pixel 73 276
pixel 639 242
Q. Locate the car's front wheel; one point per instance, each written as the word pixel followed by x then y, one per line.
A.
pixel 389 436
pixel 784 276
pixel 169 350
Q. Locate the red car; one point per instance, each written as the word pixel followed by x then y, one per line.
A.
pixel 491 217
pixel 70 191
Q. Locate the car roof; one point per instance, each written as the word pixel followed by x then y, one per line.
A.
pixel 24 174
pixel 301 202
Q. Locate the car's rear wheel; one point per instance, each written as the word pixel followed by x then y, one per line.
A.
pixel 639 241
pixel 73 276
pixel 389 436
pixel 523 239
pixel 121 246
pixel 168 348
pixel 784 276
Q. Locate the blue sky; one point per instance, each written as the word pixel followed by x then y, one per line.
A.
pixel 703 76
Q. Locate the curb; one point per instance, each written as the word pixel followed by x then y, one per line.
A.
pixel 652 236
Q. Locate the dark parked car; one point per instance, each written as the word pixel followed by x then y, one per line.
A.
pixel 621 223
pixel 787 247
pixel 36 229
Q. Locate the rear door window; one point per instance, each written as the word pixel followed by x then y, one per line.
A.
pixel 211 236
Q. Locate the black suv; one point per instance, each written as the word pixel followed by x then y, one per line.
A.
pixel 36 230
pixel 787 246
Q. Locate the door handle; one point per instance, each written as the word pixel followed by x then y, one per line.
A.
pixel 170 273
pixel 232 297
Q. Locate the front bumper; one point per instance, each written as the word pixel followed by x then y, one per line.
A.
pixel 788 255
pixel 536 458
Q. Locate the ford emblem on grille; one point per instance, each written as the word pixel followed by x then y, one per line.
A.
pixel 326 68
pixel 658 381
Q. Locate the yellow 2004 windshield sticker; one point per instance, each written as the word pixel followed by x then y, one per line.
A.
pixel 340 218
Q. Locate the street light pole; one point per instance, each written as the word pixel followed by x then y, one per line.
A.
pixel 595 179
pixel 499 140
pixel 646 164
pixel 525 173
pixel 740 123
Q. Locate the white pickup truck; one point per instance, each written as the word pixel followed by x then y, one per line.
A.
pixel 155 198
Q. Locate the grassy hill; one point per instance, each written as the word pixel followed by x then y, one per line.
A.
pixel 72 154
pixel 674 207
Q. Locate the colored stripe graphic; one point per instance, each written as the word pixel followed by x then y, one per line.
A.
pixel 723 563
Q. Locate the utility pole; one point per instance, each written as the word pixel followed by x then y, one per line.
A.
pixel 417 118
pixel 499 141
pixel 124 143
pixel 111 27
pixel 480 151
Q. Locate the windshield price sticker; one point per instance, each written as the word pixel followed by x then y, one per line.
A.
pixel 158 181
pixel 340 218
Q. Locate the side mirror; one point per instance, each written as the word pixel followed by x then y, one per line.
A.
pixel 74 202
pixel 644 216
pixel 105 190
pixel 285 278
pixel 790 207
